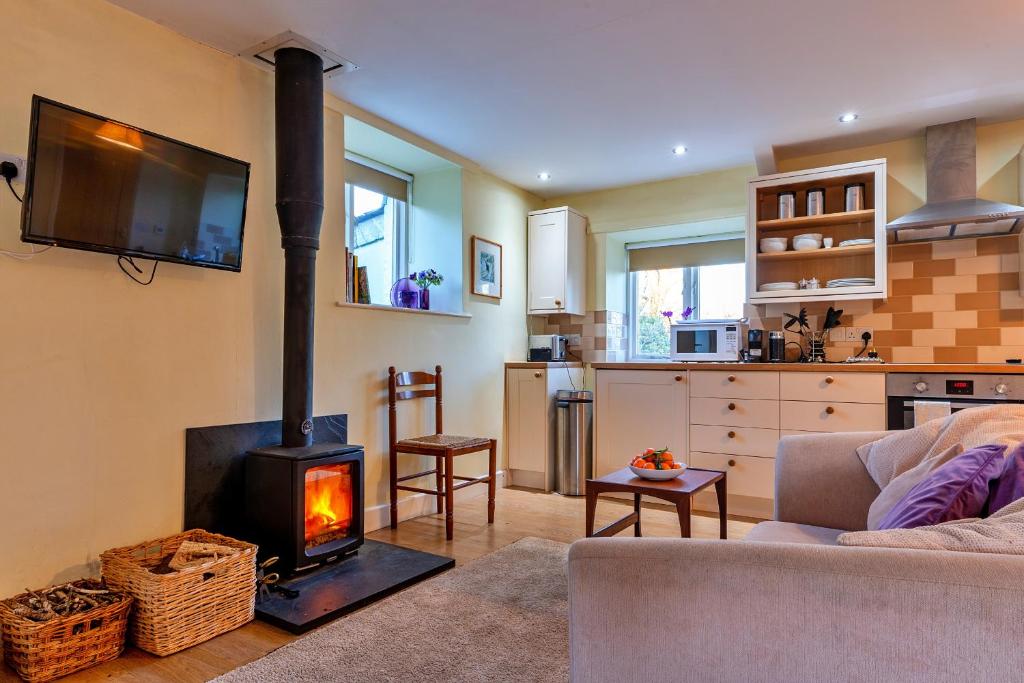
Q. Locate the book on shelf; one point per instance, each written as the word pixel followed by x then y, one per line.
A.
pixel 349 275
pixel 364 285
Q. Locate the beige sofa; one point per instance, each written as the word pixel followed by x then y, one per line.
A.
pixel 787 604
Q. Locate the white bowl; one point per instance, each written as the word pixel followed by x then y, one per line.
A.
pixel 809 235
pixel 771 245
pixel 658 475
pixel 805 244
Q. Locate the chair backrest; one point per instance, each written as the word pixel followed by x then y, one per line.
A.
pixel 430 387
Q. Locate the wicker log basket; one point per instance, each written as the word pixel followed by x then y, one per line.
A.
pixel 179 609
pixel 43 651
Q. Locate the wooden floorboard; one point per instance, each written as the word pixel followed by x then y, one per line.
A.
pixel 519 513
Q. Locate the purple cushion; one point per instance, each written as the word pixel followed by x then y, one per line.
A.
pixel 956 490
pixel 1010 484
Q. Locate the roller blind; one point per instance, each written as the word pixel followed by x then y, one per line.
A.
pixel 378 181
pixel 687 255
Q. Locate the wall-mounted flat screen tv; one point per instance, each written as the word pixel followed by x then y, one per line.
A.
pixel 100 185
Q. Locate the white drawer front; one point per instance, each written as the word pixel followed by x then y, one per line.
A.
pixel 734 440
pixel 849 387
pixel 745 476
pixel 820 416
pixel 739 384
pixel 735 412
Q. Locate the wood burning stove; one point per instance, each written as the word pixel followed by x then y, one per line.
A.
pixel 305 505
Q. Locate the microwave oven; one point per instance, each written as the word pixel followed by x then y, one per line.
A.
pixel 707 340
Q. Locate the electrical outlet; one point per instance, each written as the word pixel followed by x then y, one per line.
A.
pixel 837 334
pixel 574 339
pixel 17 161
pixel 861 331
pixel 851 334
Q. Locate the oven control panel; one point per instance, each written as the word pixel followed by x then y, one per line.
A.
pixel 936 385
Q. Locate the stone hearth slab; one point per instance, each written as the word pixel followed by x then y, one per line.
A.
pixel 376 571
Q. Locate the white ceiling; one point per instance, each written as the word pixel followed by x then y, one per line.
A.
pixel 598 91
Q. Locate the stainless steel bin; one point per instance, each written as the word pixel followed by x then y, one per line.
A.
pixel 574 450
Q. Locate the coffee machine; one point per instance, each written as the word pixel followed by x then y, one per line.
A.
pixel 755 346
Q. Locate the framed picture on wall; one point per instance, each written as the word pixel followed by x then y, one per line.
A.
pixel 486 270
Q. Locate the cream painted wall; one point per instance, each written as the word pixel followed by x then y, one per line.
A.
pixel 998 147
pixel 102 376
pixel 675 202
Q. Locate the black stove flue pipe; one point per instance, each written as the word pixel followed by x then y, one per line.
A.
pixel 299 123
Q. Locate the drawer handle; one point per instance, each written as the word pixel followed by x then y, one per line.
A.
pixel 557 302
pixel 679 378
pixel 830 410
pixel 537 374
pixel 732 406
pixel 830 379
pixel 732 463
pixel 731 435
pixel 732 378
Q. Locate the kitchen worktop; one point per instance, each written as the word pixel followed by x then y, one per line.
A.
pixel 540 365
pixel 972 368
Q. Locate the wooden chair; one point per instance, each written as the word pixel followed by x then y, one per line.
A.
pixel 442 447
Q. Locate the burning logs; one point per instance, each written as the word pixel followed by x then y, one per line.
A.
pixel 62 601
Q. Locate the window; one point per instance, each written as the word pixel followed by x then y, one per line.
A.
pixel 715 292
pixel 376 224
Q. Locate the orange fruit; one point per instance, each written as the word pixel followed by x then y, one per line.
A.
pixel 649 466
pixel 667 455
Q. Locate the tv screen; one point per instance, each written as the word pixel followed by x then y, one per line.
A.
pixel 100 185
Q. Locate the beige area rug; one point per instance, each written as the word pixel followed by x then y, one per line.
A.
pixel 499 618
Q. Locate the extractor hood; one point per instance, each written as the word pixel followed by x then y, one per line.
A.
pixel 953 209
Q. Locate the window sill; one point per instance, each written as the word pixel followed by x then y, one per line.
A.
pixel 395 309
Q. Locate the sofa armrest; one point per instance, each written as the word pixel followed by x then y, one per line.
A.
pixel 820 480
pixel 678 609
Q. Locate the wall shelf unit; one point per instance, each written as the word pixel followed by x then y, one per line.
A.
pixel 859 261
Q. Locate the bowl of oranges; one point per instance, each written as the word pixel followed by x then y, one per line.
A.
pixel 656 464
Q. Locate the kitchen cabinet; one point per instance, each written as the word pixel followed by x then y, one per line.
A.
pixel 863 260
pixel 638 409
pixel 556 261
pixel 530 421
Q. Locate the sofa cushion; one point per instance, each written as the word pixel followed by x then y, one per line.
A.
pixel 956 490
pixel 787 532
pixel 1010 484
pixel 1002 533
pixel 893 455
pixel 901 485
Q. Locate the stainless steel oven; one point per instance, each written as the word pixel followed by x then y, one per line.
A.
pixel 928 394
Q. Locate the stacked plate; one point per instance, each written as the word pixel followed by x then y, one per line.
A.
pixel 777 286
pixel 856 243
pixel 851 282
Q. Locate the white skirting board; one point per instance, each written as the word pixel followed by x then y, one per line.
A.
pixel 420 505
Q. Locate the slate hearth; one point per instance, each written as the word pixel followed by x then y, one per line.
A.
pixel 376 571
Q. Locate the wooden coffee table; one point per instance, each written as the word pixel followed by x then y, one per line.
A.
pixel 678 491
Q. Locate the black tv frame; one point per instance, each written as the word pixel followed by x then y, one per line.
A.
pixel 26 210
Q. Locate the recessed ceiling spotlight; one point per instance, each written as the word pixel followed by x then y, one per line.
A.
pixel 544 176
pixel 848 117
pixel 679 150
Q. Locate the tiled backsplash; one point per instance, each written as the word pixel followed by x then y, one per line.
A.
pixel 949 302
pixel 602 334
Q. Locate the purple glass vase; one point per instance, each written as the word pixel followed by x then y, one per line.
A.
pixel 425 299
pixel 409 299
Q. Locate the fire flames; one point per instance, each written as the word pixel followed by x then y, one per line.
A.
pixel 328 503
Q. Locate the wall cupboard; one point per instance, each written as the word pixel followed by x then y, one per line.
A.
pixel 556 261
pixel 861 260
